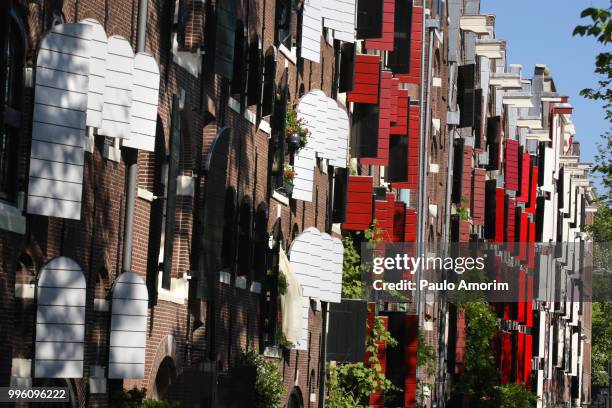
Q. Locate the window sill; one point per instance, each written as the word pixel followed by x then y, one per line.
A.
pixel 11 219
pixel 280 197
pixel 291 55
pixel 273 352
pixel 178 292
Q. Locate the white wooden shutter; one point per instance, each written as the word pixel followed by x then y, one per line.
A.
pixel 117 109
pixel 303 255
pixel 60 320
pixel 97 73
pixel 339 15
pixel 312 28
pixel 324 267
pixel 338 263
pixel 58 128
pixel 304 163
pixel 128 340
pixel 329 132
pixel 341 135
pixel 329 149
pixel 144 103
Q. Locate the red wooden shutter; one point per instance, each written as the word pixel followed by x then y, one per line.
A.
pixel 399 220
pixel 383 214
pixel 524 175
pixel 366 79
pixel 533 192
pixel 527 362
pixel 400 113
pixel 506 358
pixel 512 165
pixel 410 225
pixel 385 43
pixel 413 146
pixel 520 356
pixel 359 203
pixel 510 220
pixel 500 219
pixel 410 358
pixel 412 124
pixel 384 121
pixel 494 137
pixel 466 184
pixel 416 48
pixel 478 196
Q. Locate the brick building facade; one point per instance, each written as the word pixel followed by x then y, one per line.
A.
pixel 213 214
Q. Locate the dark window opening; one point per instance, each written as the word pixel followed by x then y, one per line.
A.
pixel 283 30
pixel 399 58
pixel 254 72
pixel 11 92
pixel 369 19
pixel 268 93
pixel 210 34
pixel 364 130
pixel 465 94
pixel 260 243
pixel 347 59
pixel 239 76
pixel 244 237
pixel 270 282
pixel 228 249
pixel 278 146
pixel 340 197
pixel 398 159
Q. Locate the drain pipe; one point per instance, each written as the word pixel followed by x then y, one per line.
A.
pixel 132 155
pixel 425 117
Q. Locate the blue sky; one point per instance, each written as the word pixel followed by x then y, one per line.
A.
pixel 540 32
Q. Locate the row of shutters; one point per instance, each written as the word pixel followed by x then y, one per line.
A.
pixel 328 125
pixel 316 259
pixel 85 79
pixel 60 323
pixel 396 222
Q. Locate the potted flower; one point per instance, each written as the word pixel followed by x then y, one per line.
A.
pixel 296 132
pixel 288 176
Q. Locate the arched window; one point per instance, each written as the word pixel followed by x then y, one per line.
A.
pixel 130 301
pixel 60 320
pixel 213 218
pixel 295 399
pixel 277 142
pixel 260 243
pixel 12 42
pixel 244 237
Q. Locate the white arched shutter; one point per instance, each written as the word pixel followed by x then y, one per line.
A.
pixel 130 300
pixel 58 127
pixel 312 28
pixel 339 15
pixel 117 109
pixel 337 265
pixel 97 73
pixel 144 103
pixel 60 320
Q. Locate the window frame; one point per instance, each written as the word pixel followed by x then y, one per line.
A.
pixel 12 36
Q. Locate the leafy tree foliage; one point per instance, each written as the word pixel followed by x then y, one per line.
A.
pixel 353 268
pixel 599 26
pixel 350 385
